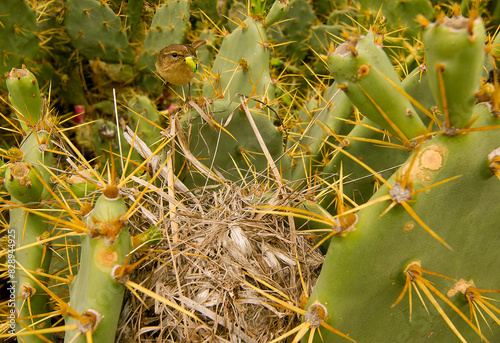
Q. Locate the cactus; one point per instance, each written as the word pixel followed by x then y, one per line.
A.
pixel 133 14
pixel 18 28
pixel 462 41
pixel 400 14
pixel 26 180
pixel 366 75
pixel 24 95
pixel 409 238
pixel 378 141
pixel 229 158
pixel 167 27
pixel 307 143
pixel 97 32
pixel 345 284
pixel 241 68
pixel 101 137
pixel 102 140
pixel 368 145
pixel 295 29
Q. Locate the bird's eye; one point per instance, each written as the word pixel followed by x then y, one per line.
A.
pixel 174 55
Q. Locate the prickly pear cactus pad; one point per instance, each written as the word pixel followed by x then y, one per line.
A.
pixel 28 181
pixel 218 262
pixel 464 50
pixel 24 95
pixel 214 143
pixel 106 248
pixel 97 32
pixel 242 68
pixel 412 267
pixel 366 75
pixel 18 28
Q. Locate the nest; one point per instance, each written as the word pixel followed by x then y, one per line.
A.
pixel 221 247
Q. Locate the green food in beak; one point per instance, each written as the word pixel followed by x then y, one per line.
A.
pixel 192 62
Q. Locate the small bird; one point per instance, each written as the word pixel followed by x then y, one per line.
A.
pixel 177 63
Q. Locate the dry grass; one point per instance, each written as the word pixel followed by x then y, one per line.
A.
pixel 222 242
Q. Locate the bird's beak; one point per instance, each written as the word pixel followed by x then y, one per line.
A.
pixel 192 62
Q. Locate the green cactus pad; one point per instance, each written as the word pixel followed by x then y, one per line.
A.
pixel 107 210
pixel 18 34
pixel 96 31
pixel 22 183
pixel 401 14
pixel 295 28
pixel 417 86
pixel 362 68
pixel 133 12
pixel 455 50
pixel 218 149
pixel 29 229
pixel 80 186
pixel 151 236
pixel 94 287
pixel 242 64
pixel 278 10
pixel 366 145
pixel 312 150
pixel 143 111
pixel 24 95
pixel 257 8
